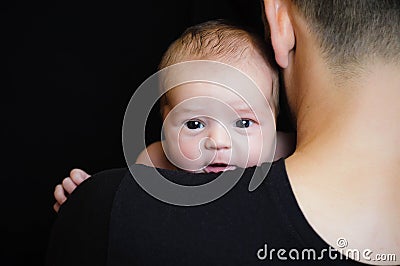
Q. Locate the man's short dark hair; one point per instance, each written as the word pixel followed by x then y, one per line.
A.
pixel 351 31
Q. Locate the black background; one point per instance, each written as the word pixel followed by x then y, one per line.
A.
pixel 70 71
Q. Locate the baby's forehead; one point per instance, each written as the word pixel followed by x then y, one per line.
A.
pixel 259 71
pixel 205 94
pixel 253 71
pixel 250 80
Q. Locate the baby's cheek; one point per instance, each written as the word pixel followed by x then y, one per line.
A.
pixel 260 150
pixel 189 148
pixel 266 151
pixel 181 154
pixel 242 151
pixel 254 151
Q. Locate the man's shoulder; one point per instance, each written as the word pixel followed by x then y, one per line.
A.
pixel 104 180
pixel 80 233
pixel 100 186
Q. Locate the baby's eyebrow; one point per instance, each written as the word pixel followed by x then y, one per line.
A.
pixel 191 109
pixel 245 112
pixel 240 106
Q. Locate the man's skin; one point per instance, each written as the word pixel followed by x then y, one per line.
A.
pixel 345 171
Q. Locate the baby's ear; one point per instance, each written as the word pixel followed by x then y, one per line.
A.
pixel 165 109
pixel 282 34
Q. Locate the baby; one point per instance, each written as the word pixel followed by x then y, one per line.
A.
pixel 207 127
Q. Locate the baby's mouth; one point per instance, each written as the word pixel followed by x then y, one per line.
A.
pixel 218 167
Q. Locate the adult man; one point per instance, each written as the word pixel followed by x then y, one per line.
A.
pixel 340 63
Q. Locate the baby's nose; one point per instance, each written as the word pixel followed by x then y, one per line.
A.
pixel 218 138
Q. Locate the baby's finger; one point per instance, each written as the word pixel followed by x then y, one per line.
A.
pixel 68 185
pixel 56 207
pixel 78 176
pixel 59 194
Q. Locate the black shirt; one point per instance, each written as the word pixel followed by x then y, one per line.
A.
pixel 110 220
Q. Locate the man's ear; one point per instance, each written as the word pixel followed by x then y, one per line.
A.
pixel 282 34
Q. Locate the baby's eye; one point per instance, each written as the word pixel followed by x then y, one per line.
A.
pixel 194 124
pixel 244 123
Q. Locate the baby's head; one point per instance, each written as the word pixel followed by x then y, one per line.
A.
pixel 208 127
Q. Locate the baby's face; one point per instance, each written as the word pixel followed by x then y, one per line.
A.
pixel 209 128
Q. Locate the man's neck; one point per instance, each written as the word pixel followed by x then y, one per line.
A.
pixel 359 120
pixel 347 161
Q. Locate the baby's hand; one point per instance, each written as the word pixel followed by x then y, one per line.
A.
pixel 76 177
